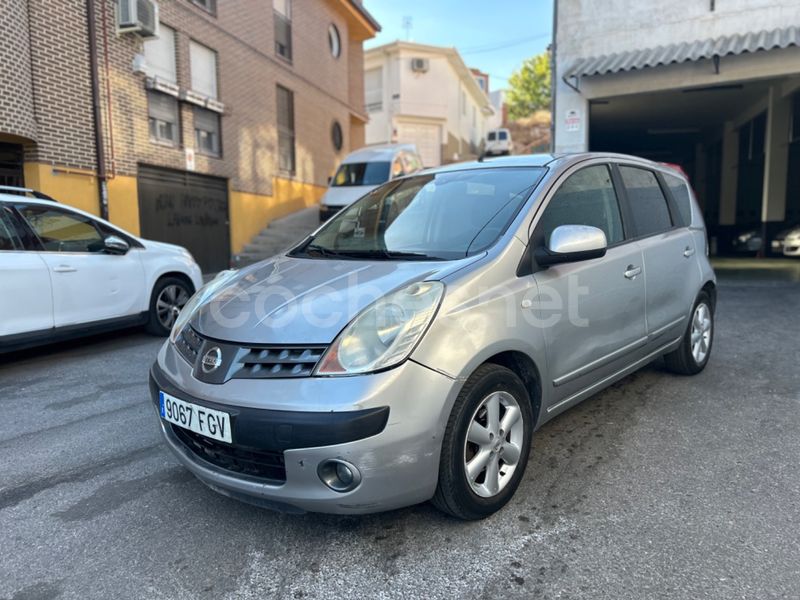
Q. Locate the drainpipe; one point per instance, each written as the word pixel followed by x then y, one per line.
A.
pixel 553 85
pixel 99 145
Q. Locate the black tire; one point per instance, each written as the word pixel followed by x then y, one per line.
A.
pixel 154 325
pixel 681 360
pixel 454 495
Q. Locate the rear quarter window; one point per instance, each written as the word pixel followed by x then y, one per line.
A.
pixel 680 193
pixel 647 202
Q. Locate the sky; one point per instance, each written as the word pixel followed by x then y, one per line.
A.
pixel 494 36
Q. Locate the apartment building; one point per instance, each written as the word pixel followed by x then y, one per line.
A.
pixel 427 96
pixel 713 86
pixel 195 122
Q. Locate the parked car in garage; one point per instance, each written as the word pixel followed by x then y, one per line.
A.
pixel 747 242
pixel 364 170
pixel 790 244
pixel 410 347
pixel 498 142
pixel 778 242
pixel 67 273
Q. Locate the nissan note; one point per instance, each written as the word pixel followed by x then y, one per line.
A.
pixel 410 347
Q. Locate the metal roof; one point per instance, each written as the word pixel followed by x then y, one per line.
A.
pixel 687 51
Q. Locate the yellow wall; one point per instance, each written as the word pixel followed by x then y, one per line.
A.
pixel 123 203
pixel 75 187
pixel 250 213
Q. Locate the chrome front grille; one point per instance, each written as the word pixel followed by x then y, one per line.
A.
pixel 248 361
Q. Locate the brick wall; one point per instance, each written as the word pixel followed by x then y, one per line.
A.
pixel 16 91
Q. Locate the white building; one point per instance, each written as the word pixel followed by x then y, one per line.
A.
pixel 711 85
pixel 424 95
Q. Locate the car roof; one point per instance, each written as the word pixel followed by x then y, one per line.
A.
pixel 384 152
pixel 548 160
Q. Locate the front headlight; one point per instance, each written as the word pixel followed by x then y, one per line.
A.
pixel 385 333
pixel 201 296
pixel 746 237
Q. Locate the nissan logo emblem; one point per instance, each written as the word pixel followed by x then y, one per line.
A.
pixel 211 360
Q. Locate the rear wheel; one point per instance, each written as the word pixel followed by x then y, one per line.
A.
pixel 486 444
pixel 692 355
pixel 170 295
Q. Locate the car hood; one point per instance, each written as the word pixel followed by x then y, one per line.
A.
pixel 164 247
pixel 346 194
pixel 289 300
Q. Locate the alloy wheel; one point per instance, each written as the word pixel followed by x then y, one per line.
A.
pixel 169 304
pixel 493 445
pixel 701 332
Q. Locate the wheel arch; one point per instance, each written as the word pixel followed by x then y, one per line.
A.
pixel 525 368
pixel 710 288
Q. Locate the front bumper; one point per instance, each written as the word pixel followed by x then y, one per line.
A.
pixel 389 425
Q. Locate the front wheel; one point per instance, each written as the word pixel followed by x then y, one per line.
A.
pixel 486 444
pixel 170 295
pixel 692 355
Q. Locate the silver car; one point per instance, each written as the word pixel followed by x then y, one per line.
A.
pixel 409 348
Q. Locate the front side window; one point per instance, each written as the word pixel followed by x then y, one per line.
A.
pixel 585 198
pixel 442 216
pixel 159 53
pixel 282 13
pixel 680 193
pixel 203 63
pixel 286 154
pixel 163 117
pixel 648 205
pixel 60 231
pixel 207 131
pixel 367 173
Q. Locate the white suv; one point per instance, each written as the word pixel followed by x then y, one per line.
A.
pixel 67 273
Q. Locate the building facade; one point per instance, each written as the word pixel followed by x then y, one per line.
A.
pixel 712 86
pixel 427 96
pixel 232 115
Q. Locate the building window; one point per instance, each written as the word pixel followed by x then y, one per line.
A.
pixel 337 137
pixel 159 53
pixel 373 89
pixel 203 63
pixel 207 131
pixel 282 14
pixel 208 5
pixel 334 41
pixel 163 114
pixel 285 130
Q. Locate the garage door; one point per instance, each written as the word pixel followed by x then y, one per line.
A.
pixel 187 209
pixel 426 137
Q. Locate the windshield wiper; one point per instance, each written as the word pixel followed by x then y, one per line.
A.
pixel 389 255
pixel 321 251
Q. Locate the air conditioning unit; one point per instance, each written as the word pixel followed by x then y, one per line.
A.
pixel 419 65
pixel 138 16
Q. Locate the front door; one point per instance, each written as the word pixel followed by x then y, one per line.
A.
pixel 88 284
pixel 592 312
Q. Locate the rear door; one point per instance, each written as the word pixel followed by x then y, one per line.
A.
pixel 88 283
pixel 592 312
pixel 668 247
pixel 26 300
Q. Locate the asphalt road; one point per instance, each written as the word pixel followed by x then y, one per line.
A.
pixel 660 487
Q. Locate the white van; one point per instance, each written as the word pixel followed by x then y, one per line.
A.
pixel 364 170
pixel 498 142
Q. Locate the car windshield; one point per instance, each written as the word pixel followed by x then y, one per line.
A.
pixel 440 216
pixel 366 173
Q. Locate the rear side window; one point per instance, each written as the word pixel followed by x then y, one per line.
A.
pixel 585 198
pixel 680 193
pixel 8 237
pixel 648 204
pixel 492 135
pixel 502 135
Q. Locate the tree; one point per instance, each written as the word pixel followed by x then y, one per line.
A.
pixel 530 87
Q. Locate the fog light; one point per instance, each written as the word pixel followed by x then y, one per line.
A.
pixel 339 475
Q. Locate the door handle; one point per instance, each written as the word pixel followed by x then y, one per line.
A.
pixel 64 269
pixel 632 272
pixel 688 251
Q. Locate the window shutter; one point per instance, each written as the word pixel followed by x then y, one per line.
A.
pixel 204 69
pixel 160 55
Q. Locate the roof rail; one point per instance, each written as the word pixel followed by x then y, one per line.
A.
pixel 22 190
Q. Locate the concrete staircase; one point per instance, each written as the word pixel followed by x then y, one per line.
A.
pixel 278 236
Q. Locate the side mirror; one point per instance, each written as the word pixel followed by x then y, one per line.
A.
pixel 116 245
pixel 572 243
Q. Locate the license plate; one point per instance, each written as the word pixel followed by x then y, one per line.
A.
pixel 211 423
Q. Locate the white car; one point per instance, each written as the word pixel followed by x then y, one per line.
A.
pixel 498 142
pixel 791 243
pixel 67 273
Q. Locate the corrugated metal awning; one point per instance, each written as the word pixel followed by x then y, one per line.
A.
pixel 688 51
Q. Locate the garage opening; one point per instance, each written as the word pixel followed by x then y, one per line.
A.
pixel 186 209
pixel 687 127
pixel 11 165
